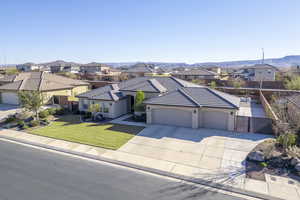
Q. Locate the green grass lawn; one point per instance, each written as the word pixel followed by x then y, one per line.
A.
pixel 69 128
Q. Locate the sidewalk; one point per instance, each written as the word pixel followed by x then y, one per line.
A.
pixel 280 189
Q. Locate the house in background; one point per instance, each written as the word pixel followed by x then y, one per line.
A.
pixel 143 69
pixel 195 74
pixel 54 88
pixel 94 68
pixel 258 72
pixel 64 68
pixel 169 101
pixel 27 67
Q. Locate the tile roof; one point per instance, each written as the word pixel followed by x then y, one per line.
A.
pixel 150 85
pixel 39 81
pixel 173 91
pixel 196 97
pixel 147 84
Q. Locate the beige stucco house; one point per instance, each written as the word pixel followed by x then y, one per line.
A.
pixel 169 101
pixel 51 87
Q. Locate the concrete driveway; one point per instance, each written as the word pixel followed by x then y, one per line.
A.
pixel 206 152
pixel 6 109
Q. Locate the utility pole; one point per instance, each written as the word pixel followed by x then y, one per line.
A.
pixel 263 56
pixel 262 62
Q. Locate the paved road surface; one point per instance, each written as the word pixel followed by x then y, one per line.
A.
pixel 32 174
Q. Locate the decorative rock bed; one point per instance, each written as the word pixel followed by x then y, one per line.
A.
pixel 269 157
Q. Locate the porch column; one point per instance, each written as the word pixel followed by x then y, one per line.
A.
pixel 148 115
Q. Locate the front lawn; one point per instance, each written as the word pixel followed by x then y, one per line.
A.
pixel 69 128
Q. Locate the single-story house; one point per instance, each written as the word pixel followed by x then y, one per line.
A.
pixel 27 67
pixel 51 86
pixel 143 69
pixel 169 101
pixel 195 74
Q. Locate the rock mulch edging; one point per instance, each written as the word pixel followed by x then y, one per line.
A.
pixel 269 158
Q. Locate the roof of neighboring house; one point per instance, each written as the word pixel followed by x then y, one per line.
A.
pixel 260 66
pixel 195 72
pixel 144 68
pixel 196 97
pixel 141 68
pixel 39 81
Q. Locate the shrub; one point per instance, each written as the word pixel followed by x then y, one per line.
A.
pixel 25 126
pixel 60 111
pixel 213 84
pixel 138 104
pixel 51 111
pixel 34 123
pixel 21 123
pixel 10 119
pixel 287 140
pixel 43 114
pixel 263 164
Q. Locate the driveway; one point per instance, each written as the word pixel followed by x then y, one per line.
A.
pixel 6 110
pixel 206 152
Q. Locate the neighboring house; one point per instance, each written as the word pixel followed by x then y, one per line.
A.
pixel 141 69
pixel 94 68
pixel 259 72
pixel 64 68
pixel 51 86
pixel 295 70
pixel 169 101
pixel 195 74
pixel 27 67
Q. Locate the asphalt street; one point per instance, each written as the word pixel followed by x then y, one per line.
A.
pixel 32 174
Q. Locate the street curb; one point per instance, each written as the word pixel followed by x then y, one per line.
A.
pixel 150 170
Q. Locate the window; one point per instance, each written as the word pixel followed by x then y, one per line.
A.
pixel 85 104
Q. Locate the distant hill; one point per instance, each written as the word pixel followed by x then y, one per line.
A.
pixel 283 62
pixel 286 61
pixel 59 62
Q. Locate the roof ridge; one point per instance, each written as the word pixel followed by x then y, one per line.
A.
pixel 213 92
pixel 175 79
pixel 181 90
pixel 153 82
pixel 21 85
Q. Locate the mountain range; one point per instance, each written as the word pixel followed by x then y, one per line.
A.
pixel 283 62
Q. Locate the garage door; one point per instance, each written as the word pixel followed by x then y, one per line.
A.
pixel 172 117
pixel 215 120
pixel 10 98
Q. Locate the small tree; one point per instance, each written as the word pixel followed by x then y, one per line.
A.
pixel 238 84
pixel 213 84
pixel 293 84
pixel 139 98
pixel 94 108
pixel 31 101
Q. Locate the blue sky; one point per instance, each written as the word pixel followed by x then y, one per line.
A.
pixel 147 30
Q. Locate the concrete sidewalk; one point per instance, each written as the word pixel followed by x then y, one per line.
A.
pixel 279 189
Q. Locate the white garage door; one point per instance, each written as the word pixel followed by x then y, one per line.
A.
pixel 172 117
pixel 10 98
pixel 215 120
